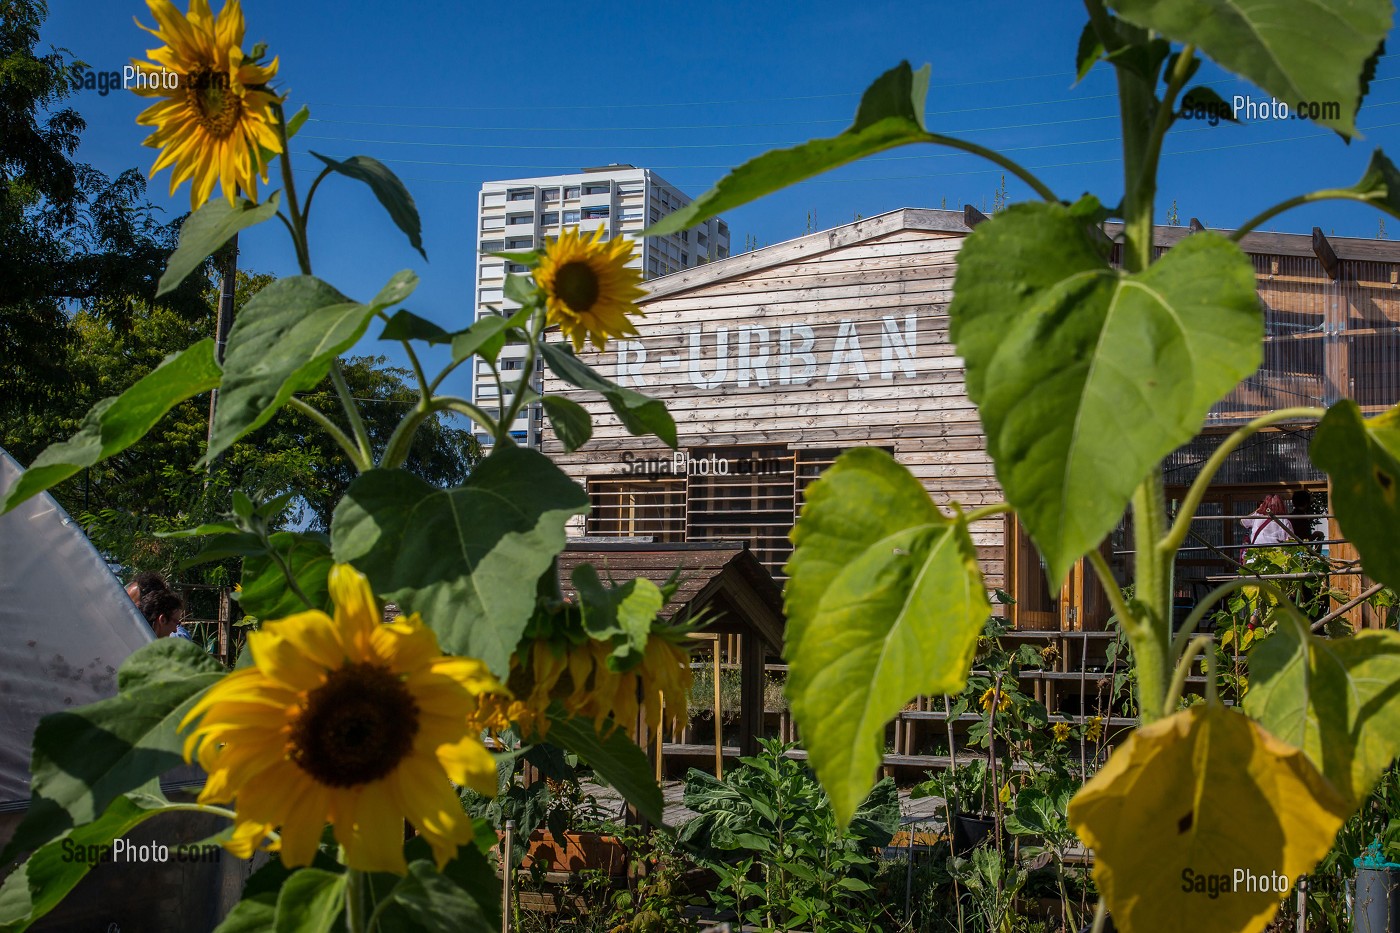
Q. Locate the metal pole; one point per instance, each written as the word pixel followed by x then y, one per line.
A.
pixel 505 877
pixel 719 721
pixel 228 275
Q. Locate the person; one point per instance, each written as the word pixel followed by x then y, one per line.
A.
pixel 1304 529
pixel 162 606
pixel 1264 527
pixel 144 584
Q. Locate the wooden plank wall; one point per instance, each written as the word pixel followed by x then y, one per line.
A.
pixel 871 318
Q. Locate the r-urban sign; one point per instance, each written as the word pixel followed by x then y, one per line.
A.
pixel 711 357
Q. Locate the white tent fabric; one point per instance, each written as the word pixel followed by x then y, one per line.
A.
pixel 66 624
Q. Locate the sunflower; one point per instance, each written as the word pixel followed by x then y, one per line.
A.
pixel 1061 730
pixel 994 697
pixel 1093 731
pixel 216 119
pixel 578 676
pixel 350 721
pixel 589 291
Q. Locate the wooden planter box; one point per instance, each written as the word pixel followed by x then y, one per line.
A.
pixel 575 852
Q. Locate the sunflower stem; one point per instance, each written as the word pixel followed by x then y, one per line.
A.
pixel 355 901
pixel 331 428
pixel 526 376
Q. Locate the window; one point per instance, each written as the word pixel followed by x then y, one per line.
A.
pixel 492 223
pixel 521 194
pixel 571 217
pixel 723 229
pixel 519 242
pixel 631 213
pixel 515 219
pixel 549 218
pixel 603 188
pixel 571 193
pixel 512 364
pixel 517 268
pixel 549 194
pixel 685 259
pixel 492 246
pixel 685 236
pixel 655 215
pixel 701 239
pixel 723 252
pixel 595 213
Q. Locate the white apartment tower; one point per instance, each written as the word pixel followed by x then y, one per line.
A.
pixel 525 213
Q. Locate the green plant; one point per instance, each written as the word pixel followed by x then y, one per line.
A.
pixel 768 831
pixel 992 882
pixel 1090 358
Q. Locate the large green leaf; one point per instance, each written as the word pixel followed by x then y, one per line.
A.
pixel 256 912
pixel 1277 43
pixel 1338 699
pixel 266 594
pixel 85 758
pixel 616 759
pixel 116 423
pixel 55 868
pixel 209 228
pixel 1380 185
pixel 424 901
pixel 571 422
pixel 1363 459
pixel 467 558
pixel 1085 378
pixel 311 901
pixel 284 341
pixel 891 113
pixel 884 602
pixel 621 614
pixel 388 189
pixel 638 413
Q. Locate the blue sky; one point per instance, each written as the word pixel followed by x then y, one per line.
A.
pixel 451 95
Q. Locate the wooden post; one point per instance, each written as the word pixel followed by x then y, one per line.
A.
pixel 1325 254
pixel 719 719
pixel 750 693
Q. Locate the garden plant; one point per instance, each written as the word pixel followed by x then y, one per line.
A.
pixel 1089 359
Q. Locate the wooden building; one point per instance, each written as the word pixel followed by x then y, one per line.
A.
pixel 774 361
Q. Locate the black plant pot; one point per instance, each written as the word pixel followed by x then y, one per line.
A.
pixel 969 832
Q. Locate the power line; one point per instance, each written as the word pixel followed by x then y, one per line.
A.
pixel 687 103
pixel 985 171
pixel 708 103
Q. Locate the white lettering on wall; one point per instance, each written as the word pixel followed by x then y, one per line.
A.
pixel 764 356
pixel 629 372
pixel 753 355
pixel 847 352
pixel 796 351
pixel 894 345
pixel 721 359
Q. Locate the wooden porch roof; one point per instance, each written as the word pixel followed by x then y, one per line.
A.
pixel 722 578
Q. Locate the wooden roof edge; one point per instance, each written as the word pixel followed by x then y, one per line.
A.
pixel 1281 244
pixel 745 568
pixel 716 544
pixel 808 245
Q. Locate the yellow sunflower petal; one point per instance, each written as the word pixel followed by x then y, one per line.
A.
pixel 428 800
pixel 297 650
pixel 356 611
pixel 375 840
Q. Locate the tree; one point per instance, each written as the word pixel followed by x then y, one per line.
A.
pixel 159 485
pixel 73 237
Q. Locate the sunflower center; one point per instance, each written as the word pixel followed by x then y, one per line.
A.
pixel 576 284
pixel 216 107
pixel 356 727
